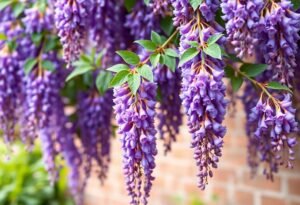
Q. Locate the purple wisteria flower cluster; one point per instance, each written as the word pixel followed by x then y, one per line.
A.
pixel 71 19
pixel 95 113
pixel 203 92
pixel 275 121
pixel 135 117
pixel 139 65
pixel 242 18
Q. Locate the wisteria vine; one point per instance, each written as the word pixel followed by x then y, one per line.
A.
pixel 73 70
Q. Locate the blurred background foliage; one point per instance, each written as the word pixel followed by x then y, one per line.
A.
pixel 24 181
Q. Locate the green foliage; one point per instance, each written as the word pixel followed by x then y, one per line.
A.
pixel 166 25
pixel 18 8
pixel 129 57
pixel 120 78
pixel 278 86
pixel 213 50
pixel 195 3
pixel 188 55
pixel 5 3
pixel 154 59
pixel 129 4
pixel 24 181
pixel 134 81
pixel 48 65
pixel 146 72
pixel 214 38
pixel 29 65
pixel 253 70
pixel 236 79
pixel 296 4
pixel 147 44
pixel 85 64
pixel 156 38
pixel 102 81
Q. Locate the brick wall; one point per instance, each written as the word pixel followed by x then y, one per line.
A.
pixel 175 174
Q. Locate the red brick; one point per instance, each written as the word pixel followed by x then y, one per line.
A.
pixel 294 186
pixel 244 198
pixel 266 200
pixel 260 182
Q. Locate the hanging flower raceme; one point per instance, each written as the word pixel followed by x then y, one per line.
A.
pixel 275 119
pixel 203 92
pixel 70 153
pixel 95 127
pixel 279 27
pixel 135 117
pixel 242 18
pixel 71 19
pixel 170 117
pixel 141 21
pixel 107 29
pixel 161 7
pixel 10 91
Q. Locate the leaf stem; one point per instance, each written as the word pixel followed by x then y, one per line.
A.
pixel 260 85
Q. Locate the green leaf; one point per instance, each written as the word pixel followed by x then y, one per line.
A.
pixel 117 68
pixel 48 65
pixel 170 62
pixel 278 86
pixel 134 81
pixel 4 3
pixel 12 45
pixel 120 78
pixel 296 4
pixel 253 70
pixel 36 38
pixel 129 4
pixel 51 44
pixel 79 71
pixel 156 38
pixel 147 2
pixel 236 82
pixel 213 50
pixel 129 57
pixel 167 25
pixel 146 72
pixel 102 81
pixel 87 58
pixel 154 59
pixel 214 38
pixel 147 44
pixel 171 52
pixel 18 8
pixel 195 3
pixel 193 43
pixel 29 65
pixel 188 55
pixel 3 37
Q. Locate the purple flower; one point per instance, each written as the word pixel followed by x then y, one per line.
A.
pixel 135 117
pixel 275 121
pixel 182 12
pixel 202 93
pixel 141 21
pixel 95 127
pixel 107 29
pixel 71 21
pixel 10 92
pixel 169 109
pixel 242 18
pixel 279 29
